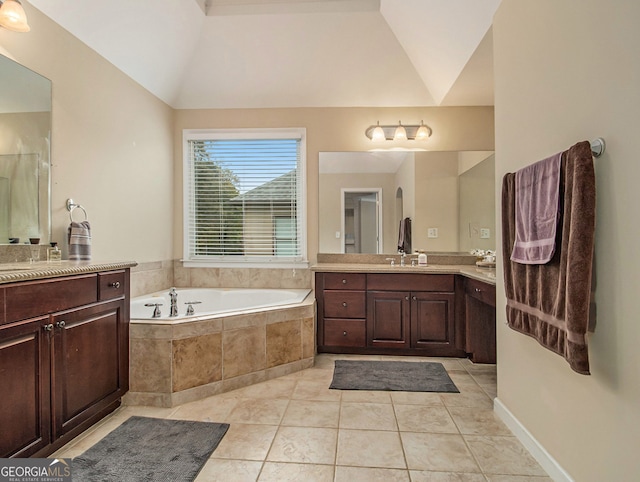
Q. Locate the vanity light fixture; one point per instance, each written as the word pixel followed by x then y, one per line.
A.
pixel 13 17
pixel 399 132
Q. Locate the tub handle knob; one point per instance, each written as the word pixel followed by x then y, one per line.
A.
pixel 190 310
pixel 156 310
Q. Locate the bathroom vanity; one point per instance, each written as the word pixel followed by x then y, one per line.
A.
pixel 64 352
pixel 444 311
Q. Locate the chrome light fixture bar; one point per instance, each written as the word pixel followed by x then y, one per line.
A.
pixel 398 132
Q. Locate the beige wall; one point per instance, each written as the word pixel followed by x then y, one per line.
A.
pixel 477 207
pixel 111 146
pixel 566 71
pixel 335 129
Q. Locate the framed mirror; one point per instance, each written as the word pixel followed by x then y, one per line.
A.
pixel 25 138
pixel 448 196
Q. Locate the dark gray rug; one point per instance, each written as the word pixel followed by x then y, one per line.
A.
pixel 150 449
pixel 392 375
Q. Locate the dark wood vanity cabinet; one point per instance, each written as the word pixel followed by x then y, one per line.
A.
pixel 478 314
pixel 386 313
pixel 64 360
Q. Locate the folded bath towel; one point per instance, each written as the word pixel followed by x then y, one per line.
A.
pixel 536 211
pixel 79 237
pixel 551 302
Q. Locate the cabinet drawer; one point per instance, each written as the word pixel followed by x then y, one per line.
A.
pixel 481 291
pixel 344 333
pixel 110 285
pixel 35 298
pixel 410 282
pixel 345 281
pixel 344 304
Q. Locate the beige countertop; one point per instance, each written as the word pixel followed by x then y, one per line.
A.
pixel 488 275
pixel 11 272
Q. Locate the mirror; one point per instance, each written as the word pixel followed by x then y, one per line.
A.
pixel 25 133
pixel 448 196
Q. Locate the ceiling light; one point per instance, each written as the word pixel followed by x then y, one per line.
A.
pixel 398 132
pixel 12 16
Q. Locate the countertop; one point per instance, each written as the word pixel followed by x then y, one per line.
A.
pixel 12 272
pixel 488 275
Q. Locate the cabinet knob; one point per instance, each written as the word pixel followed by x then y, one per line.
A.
pixel 344 303
pixel 61 324
pixel 344 281
pixel 344 333
pixel 478 290
pixel 48 327
pixel 406 298
pixel 114 285
pixel 415 298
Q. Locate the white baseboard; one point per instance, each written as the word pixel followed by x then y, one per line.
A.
pixel 548 463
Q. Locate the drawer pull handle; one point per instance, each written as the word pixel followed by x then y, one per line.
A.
pixel 114 285
pixel 344 333
pixel 48 327
pixel 61 324
pixel 344 281
pixel 344 303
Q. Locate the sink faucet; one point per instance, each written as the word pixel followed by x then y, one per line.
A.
pixel 173 296
pixel 402 256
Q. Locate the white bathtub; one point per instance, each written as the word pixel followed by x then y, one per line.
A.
pixel 213 301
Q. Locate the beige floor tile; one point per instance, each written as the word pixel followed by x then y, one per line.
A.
pixel 503 455
pixel 366 474
pixel 369 448
pixel 220 470
pixel 437 452
pixel 310 413
pixel 315 390
pixel 304 445
pixel 246 442
pixel 366 396
pixel 212 409
pixel 419 418
pixel 470 396
pixel 276 388
pixel 250 410
pixel 427 476
pixel 367 416
pixel 417 398
pixel 286 472
pixel 517 478
pixel 478 421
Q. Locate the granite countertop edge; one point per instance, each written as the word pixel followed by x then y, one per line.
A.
pixel 486 275
pixel 27 271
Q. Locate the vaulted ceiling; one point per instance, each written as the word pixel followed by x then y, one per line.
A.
pixel 293 53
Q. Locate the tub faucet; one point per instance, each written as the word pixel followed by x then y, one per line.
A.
pixel 173 296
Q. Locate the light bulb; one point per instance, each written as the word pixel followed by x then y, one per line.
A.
pixel 401 133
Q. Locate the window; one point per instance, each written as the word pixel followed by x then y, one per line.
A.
pixel 244 197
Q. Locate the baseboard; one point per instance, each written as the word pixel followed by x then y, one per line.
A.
pixel 548 463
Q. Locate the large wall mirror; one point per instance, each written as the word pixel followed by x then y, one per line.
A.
pixel 448 196
pixel 25 133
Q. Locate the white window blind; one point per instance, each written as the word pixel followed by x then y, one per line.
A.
pixel 244 197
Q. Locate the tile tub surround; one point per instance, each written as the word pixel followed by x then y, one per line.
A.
pixel 177 363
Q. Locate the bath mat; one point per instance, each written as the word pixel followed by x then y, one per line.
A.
pixel 145 448
pixel 392 375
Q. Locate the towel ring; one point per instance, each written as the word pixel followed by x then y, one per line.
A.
pixel 71 206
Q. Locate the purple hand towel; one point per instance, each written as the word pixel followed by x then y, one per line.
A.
pixel 79 237
pixel 537 207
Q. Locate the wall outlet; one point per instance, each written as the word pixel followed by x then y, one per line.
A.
pixel 432 233
pixel 485 233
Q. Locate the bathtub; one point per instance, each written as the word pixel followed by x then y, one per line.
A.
pixel 209 302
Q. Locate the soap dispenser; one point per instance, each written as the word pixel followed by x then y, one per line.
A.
pixel 422 258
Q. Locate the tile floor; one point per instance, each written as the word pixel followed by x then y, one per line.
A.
pixel 295 428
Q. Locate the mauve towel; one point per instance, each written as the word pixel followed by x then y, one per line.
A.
pixel 404 236
pixel 551 302
pixel 79 237
pixel 537 196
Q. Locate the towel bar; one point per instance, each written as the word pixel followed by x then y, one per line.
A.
pixel 597 147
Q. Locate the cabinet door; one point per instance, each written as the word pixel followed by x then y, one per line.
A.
pixel 89 359
pixel 432 322
pixel 25 378
pixel 388 319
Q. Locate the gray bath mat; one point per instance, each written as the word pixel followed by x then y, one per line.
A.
pixel 150 449
pixel 392 375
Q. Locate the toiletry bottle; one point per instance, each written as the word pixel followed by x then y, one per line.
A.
pixel 53 253
pixel 422 258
